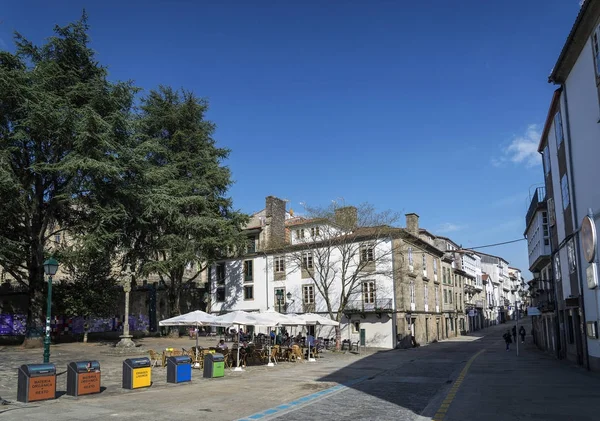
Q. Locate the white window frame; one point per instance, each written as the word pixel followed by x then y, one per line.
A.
pixel 367 253
pixel 412 292
pixel 571 256
pixel 307 260
pixel 369 292
pixel 558 129
pixel 308 294
pixel 564 191
pixel 279 264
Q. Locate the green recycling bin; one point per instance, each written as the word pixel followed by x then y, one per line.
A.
pixel 214 365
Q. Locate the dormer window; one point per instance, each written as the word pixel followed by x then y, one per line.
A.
pixel 300 234
pixel 314 232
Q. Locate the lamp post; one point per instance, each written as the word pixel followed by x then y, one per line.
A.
pixel 50 269
pixel 279 295
pixel 126 341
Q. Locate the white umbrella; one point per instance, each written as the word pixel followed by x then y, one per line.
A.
pixel 240 318
pixel 195 318
pixel 317 319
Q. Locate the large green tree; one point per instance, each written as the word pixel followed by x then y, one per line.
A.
pixel 184 219
pixel 65 136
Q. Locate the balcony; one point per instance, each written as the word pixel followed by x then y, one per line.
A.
pixel 378 307
pixel 479 303
pixel 537 201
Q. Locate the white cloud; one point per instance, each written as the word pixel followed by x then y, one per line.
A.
pixel 448 227
pixel 522 149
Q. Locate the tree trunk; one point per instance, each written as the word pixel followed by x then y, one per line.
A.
pixel 338 338
pixel 175 300
pixel 35 332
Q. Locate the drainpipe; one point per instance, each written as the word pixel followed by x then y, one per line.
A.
pixel 574 205
pixel 266 279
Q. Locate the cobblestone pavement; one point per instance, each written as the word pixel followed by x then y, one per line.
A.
pixel 446 381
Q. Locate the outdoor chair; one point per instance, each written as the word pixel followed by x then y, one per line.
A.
pixel 155 358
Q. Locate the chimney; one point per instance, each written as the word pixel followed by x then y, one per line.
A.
pixel 346 217
pixel 275 222
pixel 412 223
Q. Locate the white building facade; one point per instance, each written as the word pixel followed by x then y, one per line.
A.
pixel 570 151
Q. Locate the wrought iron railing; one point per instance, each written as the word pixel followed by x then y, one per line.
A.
pixel 379 304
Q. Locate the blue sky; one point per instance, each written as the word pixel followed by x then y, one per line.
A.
pixel 430 107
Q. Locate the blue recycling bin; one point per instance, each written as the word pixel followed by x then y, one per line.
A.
pixel 179 369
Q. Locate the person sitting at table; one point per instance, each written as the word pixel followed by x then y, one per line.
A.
pixel 222 344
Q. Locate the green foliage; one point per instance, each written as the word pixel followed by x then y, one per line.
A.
pixel 143 186
pixel 89 290
pixel 184 218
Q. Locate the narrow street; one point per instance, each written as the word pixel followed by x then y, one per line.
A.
pixel 421 384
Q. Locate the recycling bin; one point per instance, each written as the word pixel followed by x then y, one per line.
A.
pixel 179 369
pixel 137 373
pixel 83 378
pixel 36 382
pixel 214 365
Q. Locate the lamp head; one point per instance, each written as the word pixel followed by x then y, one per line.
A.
pixel 51 266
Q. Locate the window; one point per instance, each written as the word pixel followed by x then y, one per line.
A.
pixel 300 234
pixel 437 296
pixel 279 263
pixel 449 296
pixel 279 298
pixel 412 292
pixel 435 266
pixel 564 189
pixel 308 294
pixel 596 47
pixel 366 254
pixel 249 292
pixel 314 232
pixel 557 273
pixel 410 256
pixel 558 129
pixel 307 260
pixel 571 256
pixel 369 292
pixel 546 156
pixel 57 238
pixel 248 271
pixel 251 245
pixel 426 294
pixel 545 228
pixel 424 263
pixel 220 272
pixel 445 296
pixel 356 327
pixel 220 294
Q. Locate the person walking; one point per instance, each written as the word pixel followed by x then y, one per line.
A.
pixel 507 339
pixel 514 332
pixel 522 334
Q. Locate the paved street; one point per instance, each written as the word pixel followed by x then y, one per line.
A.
pixel 446 381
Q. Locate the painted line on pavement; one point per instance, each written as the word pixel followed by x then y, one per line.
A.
pixel 303 400
pixel 441 412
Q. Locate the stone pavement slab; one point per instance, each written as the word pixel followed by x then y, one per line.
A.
pixel 500 385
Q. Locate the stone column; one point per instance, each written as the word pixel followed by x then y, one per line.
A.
pixel 126 341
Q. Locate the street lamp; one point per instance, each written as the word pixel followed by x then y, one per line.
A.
pixel 279 295
pixel 50 269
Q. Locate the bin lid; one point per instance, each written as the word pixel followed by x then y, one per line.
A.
pixel 138 362
pixel 39 369
pixel 85 366
pixel 217 358
pixel 180 359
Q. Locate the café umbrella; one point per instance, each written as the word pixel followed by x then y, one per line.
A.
pixel 240 318
pixel 195 318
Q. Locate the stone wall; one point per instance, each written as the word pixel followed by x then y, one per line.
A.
pixel 147 306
